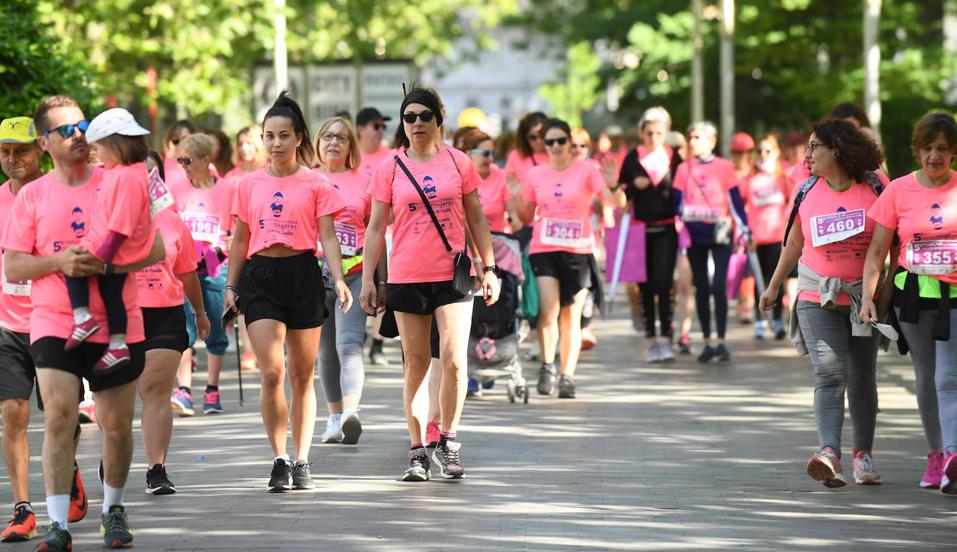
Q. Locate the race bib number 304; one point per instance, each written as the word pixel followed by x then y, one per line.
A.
pixel 932 257
pixel 561 232
pixel 836 227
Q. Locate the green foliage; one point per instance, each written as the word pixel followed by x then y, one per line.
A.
pixel 578 92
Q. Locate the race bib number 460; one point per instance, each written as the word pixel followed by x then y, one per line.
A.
pixel 836 227
pixel 932 257
pixel 561 232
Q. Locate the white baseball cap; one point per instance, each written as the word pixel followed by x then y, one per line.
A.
pixel 113 121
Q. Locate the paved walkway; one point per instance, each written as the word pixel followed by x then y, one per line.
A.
pixel 675 457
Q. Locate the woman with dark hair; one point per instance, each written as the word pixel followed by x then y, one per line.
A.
pixel 529 146
pixel 175 177
pixel 851 113
pixel 282 211
pixel 830 237
pixel 497 199
pixel 223 153
pixel 921 210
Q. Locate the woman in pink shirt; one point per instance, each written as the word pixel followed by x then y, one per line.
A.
pixel 529 149
pixel 830 237
pixel 497 197
pixel 921 210
pixel 249 154
pixel 282 212
pixel 423 180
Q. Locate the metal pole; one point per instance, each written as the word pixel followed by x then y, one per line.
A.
pixel 872 63
pixel 727 76
pixel 697 66
pixel 280 59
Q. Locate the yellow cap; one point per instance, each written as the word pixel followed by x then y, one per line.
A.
pixel 18 130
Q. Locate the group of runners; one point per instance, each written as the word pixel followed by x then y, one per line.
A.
pixel 316 241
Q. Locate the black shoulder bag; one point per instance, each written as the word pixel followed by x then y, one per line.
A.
pixel 462 275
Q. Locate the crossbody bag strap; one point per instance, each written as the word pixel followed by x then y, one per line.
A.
pixel 425 200
pixel 805 188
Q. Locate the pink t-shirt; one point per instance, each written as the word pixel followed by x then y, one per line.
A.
pixel 418 254
pixel 52 216
pixel 705 187
pixel 656 163
pixel 15 296
pixel 765 197
pixel 519 165
pixel 368 163
pixel 494 194
pixel 563 201
pixel 123 206
pixel 351 222
pixel 285 210
pixel 923 218
pixel 176 179
pixel 837 232
pixel 157 283
pixel 207 212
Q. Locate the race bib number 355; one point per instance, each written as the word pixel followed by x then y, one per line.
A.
pixel 836 227
pixel 932 257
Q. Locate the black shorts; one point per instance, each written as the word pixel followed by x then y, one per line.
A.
pixel 572 270
pixel 423 298
pixel 286 289
pixel 165 328
pixel 17 371
pixel 47 352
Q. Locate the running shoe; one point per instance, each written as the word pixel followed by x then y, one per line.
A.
pixel 280 480
pixel 351 428
pixel 722 352
pixel 760 329
pixel 157 482
pixel 58 539
pixel 948 479
pixel 825 466
pixel 488 384
pixel 115 358
pixel 182 403
pixel 653 354
pixel 665 352
pixel 333 432
pixel 78 501
pixel 115 529
pixel 566 387
pixel 547 375
pixel 446 455
pixel 376 356
pixel 684 346
pixel 706 354
pixel 302 476
pixel 432 434
pixel 419 467
pixel 473 389
pixel 779 331
pixel 87 412
pixel 864 471
pixel 934 471
pixel 22 527
pixel 211 403
pixel 588 339
pixel 80 333
pixel 247 362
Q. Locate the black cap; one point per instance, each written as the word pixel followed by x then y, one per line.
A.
pixel 368 114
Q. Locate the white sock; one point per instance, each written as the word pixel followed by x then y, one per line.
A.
pixel 81 314
pixel 112 496
pixel 282 457
pixel 58 509
pixel 117 341
pixel 347 413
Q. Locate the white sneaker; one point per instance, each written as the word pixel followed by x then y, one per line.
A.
pixel 760 328
pixel 333 433
pixel 665 352
pixel 351 427
pixel 653 355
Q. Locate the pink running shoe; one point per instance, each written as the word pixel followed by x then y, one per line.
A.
pixel 825 467
pixel 87 412
pixel 934 471
pixel 948 481
pixel 80 333
pixel 112 360
pixel 864 472
pixel 432 435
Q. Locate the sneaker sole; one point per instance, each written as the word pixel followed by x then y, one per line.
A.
pixel 20 538
pixel 351 431
pixel 116 543
pixel 279 488
pixel 415 478
pixel 107 370
pixel 161 491
pixel 183 412
pixel 819 471
pixel 332 440
pixel 867 480
pixel 213 411
pixel 925 485
pixel 309 487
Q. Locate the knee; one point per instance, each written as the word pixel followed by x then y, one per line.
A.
pixel 946 379
pixel 16 416
pixel 349 345
pixel 271 378
pixel 829 376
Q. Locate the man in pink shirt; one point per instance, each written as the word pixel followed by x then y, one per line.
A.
pixel 370 126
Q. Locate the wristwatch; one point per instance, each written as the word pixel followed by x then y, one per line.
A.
pixel 494 269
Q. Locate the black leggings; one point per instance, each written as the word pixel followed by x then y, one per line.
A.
pixel 111 291
pixel 661 254
pixel 704 290
pixel 768 256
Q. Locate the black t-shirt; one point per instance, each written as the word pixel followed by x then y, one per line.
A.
pixel 654 203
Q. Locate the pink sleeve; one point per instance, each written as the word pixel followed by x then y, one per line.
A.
pixel 186 260
pixel 328 201
pixel 380 187
pixel 240 201
pixel 127 205
pixel 884 210
pixel 681 177
pixel 528 190
pixel 20 232
pixel 470 179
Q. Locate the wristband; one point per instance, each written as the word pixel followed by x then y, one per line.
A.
pixel 109 269
pixel 493 269
pixel 199 315
pixel 233 289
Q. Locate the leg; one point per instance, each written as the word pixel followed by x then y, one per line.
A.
pixel 61 394
pixel 78 290
pixel 662 278
pixel 947 385
pixel 415 330
pixel 698 258
pixel 721 255
pixel 114 412
pixel 301 347
pixel 684 296
pixel 570 333
pixel 548 291
pixel 16 447
pixel 329 368
pixel 862 389
pixel 213 297
pixel 454 321
pixel 111 292
pixel 156 419
pixel 350 335
pixel 267 337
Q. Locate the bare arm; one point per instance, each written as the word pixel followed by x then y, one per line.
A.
pixel 237 261
pixel 873 268
pixel 157 254
pixel 790 255
pixel 73 261
pixel 369 298
pixel 195 295
pixel 478 226
pixel 333 255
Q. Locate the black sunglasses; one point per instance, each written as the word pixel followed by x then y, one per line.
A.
pixel 380 126
pixel 184 161
pixel 560 141
pixel 67 130
pixel 426 116
pixel 483 152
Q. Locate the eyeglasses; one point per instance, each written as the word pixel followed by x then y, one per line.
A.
pixel 814 145
pixel 426 116
pixel 483 152
pixel 184 161
pixel 560 141
pixel 67 130
pixel 534 137
pixel 329 137
pixel 379 126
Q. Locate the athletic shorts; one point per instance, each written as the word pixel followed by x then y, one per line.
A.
pixel 423 298
pixel 572 270
pixel 165 328
pixel 286 289
pixel 17 371
pixel 47 352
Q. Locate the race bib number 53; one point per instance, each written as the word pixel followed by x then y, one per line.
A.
pixel 836 227
pixel 932 257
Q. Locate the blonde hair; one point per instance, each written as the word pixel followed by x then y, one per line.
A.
pixel 656 114
pixel 353 160
pixel 202 145
pixel 581 134
pixel 256 133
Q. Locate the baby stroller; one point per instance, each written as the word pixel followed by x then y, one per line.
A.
pixel 494 340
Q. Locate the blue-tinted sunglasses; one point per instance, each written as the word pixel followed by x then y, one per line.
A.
pixel 67 130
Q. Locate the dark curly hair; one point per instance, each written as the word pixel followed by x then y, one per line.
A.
pixel 849 110
pixel 855 152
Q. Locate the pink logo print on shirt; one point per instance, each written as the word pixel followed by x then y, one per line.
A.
pixel 558 190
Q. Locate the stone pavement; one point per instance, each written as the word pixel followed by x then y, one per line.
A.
pixel 666 457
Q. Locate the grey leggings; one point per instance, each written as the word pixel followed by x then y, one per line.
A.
pixel 341 369
pixel 935 369
pixel 841 363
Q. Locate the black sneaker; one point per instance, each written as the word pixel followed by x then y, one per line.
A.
pixel 157 482
pixel 446 455
pixel 566 387
pixel 722 352
pixel 58 539
pixel 706 354
pixel 546 379
pixel 280 480
pixel 419 467
pixel 302 477
pixel 115 530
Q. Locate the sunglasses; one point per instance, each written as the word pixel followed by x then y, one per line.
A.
pixel 184 161
pixel 534 137
pixel 483 152
pixel 379 126
pixel 67 130
pixel 426 116
pixel 560 141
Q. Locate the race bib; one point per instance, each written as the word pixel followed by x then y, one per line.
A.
pixel 836 227
pixel 348 238
pixel 204 227
pixel 932 257
pixel 768 195
pixel 563 233
pixel 695 213
pixel 20 288
pixel 160 198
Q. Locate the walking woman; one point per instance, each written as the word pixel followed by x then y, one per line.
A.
pixel 711 207
pixel 341 368
pixel 561 193
pixel 529 149
pixel 497 199
pixel 422 186
pixel 830 237
pixel 921 209
pixel 275 281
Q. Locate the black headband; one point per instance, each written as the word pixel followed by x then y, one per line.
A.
pixel 424 98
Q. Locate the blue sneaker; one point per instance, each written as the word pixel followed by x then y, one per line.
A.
pixel 211 403
pixel 474 389
pixel 722 352
pixel 182 403
pixel 488 384
pixel 706 354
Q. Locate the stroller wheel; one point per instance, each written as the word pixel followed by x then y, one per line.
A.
pixel 512 391
pixel 524 395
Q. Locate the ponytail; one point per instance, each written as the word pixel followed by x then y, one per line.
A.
pixel 285 106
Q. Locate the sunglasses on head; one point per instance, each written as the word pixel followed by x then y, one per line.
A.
pixel 560 141
pixel 67 130
pixel 426 116
pixel 483 152
pixel 184 161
